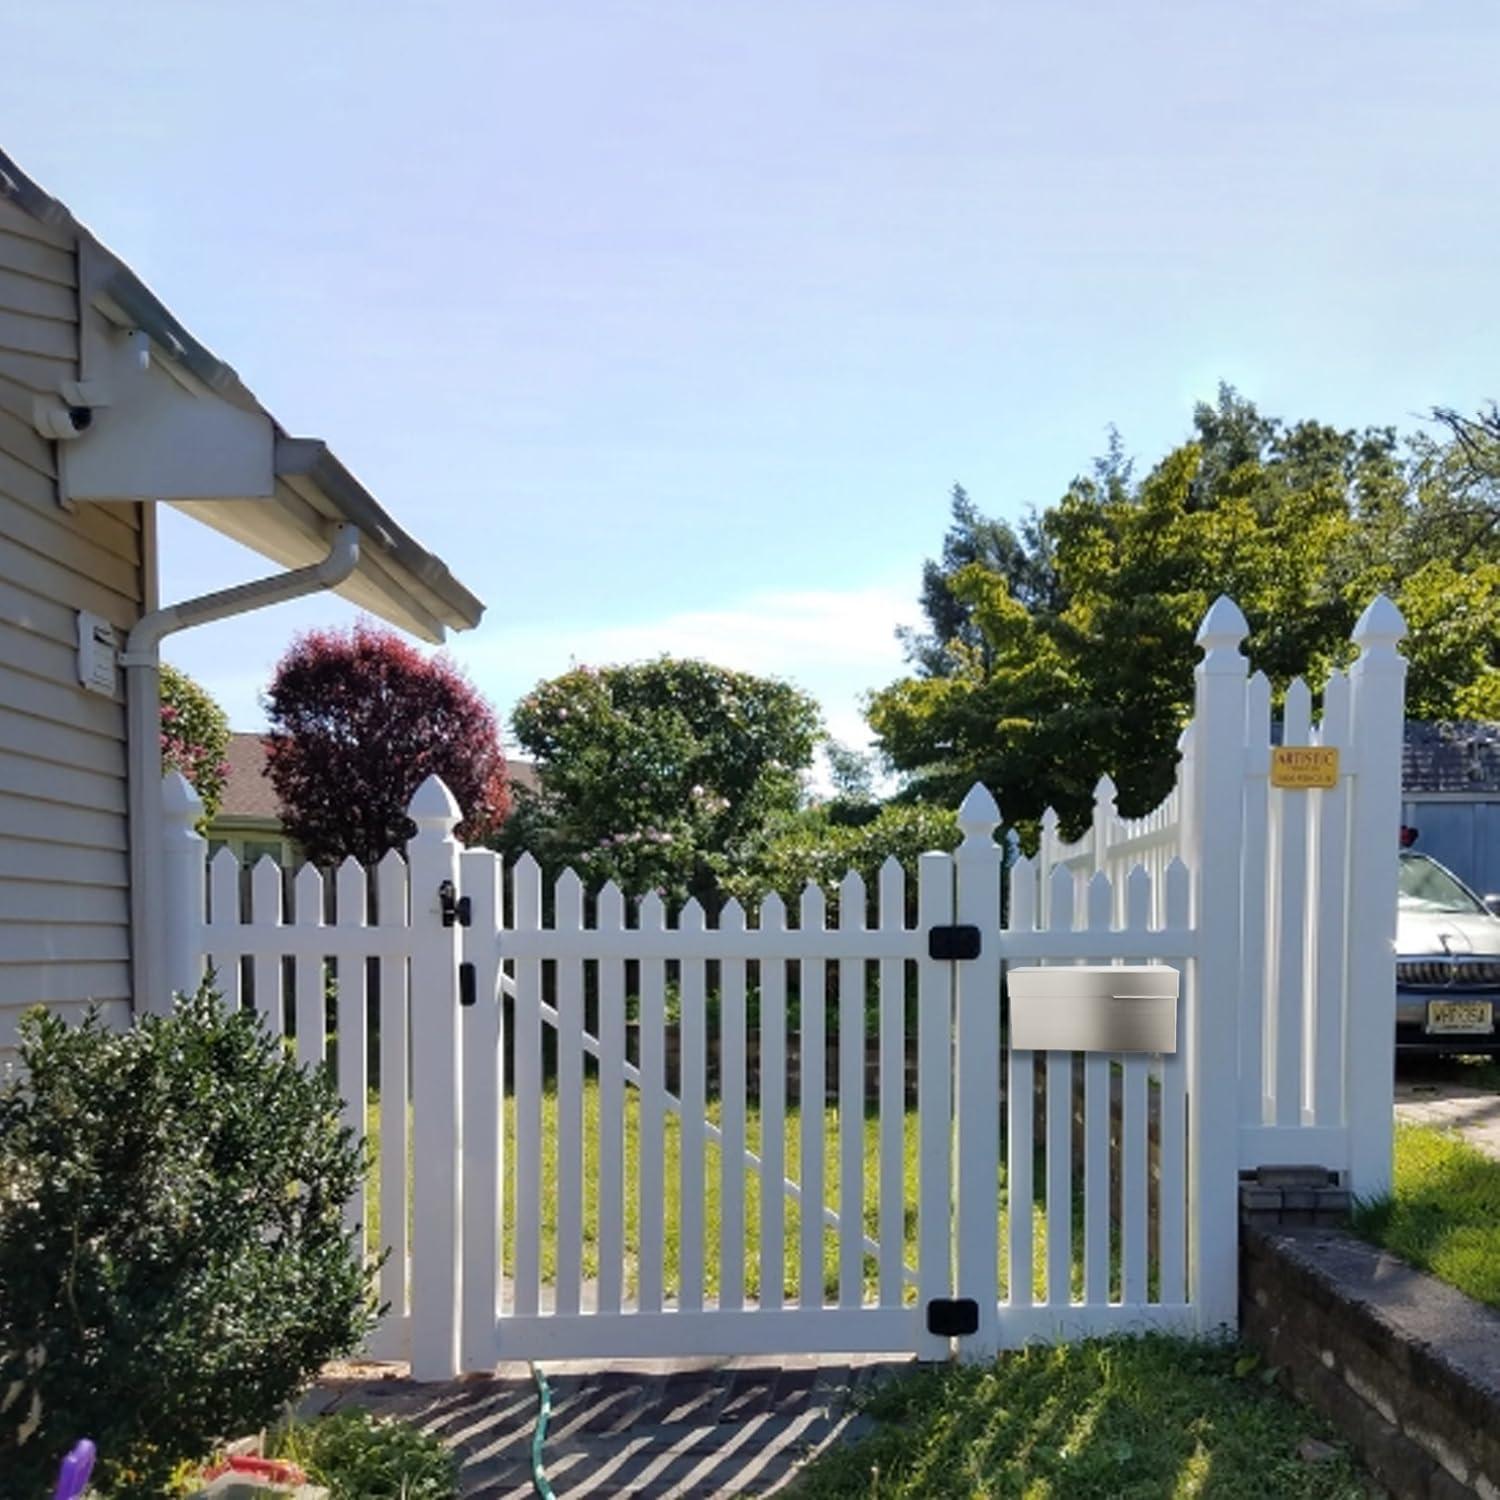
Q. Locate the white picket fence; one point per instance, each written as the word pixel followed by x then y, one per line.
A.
pixel 584 1228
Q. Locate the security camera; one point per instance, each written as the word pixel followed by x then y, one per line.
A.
pixel 66 417
pixel 62 423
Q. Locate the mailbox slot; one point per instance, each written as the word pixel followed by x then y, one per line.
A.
pixel 1095 1008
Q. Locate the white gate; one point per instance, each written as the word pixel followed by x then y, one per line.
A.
pixel 714 1142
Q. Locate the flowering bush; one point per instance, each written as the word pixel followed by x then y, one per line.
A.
pixel 194 737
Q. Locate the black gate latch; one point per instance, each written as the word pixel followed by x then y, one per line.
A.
pixel 455 908
pixel 952 1317
pixel 948 944
pixel 468 987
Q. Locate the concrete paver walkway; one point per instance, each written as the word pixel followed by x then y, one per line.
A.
pixel 648 1428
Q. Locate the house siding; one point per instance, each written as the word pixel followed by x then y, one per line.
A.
pixel 64 845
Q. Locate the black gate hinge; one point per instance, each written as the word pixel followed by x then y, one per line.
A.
pixel 949 944
pixel 952 1317
pixel 455 908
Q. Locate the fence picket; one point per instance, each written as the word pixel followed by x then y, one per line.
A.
pixel 480 875
pixel 851 1100
pixel 1096 1131
pixel 568 922
pixel 1255 937
pixel 610 917
pixel 812 994
pixel 1329 935
pixel 265 915
pixel 693 1092
pixel 773 1082
pixel 732 1118
pixel 1135 1127
pixel 1172 1210
pixel 307 911
pixel 353 1047
pixel 892 1199
pixel 391 896
pixel 651 1263
pixel 527 1066
pixel 934 1096
pixel 225 941
pixel 1289 959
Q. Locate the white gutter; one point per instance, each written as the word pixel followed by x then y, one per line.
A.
pixel 143 710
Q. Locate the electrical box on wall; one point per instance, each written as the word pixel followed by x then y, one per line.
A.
pixel 97 653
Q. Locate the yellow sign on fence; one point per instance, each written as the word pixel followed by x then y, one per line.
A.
pixel 1302 768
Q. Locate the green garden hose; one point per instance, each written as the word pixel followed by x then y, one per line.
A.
pixel 539 1435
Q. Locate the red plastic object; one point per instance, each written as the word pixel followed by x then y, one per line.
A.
pixel 275 1470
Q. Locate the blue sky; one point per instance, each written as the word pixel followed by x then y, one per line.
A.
pixel 669 325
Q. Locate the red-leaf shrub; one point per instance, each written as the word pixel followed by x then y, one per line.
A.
pixel 359 719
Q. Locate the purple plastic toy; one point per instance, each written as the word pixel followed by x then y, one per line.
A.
pixel 76 1468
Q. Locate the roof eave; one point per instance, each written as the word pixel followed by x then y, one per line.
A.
pixel 310 459
pixel 438 597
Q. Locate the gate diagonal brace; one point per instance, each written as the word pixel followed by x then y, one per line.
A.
pixel 953 944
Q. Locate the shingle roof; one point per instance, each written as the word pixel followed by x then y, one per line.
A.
pixel 248 792
pixel 1460 756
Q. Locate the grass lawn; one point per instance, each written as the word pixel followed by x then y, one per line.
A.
pixel 1444 1211
pixel 1120 1419
pixel 713 1199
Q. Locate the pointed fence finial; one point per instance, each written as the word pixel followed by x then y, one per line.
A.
pixel 1223 626
pixel 1381 625
pixel 1104 789
pixel 978 814
pixel 432 807
pixel 1219 636
pixel 181 806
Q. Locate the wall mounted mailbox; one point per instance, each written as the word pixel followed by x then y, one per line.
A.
pixel 1114 1008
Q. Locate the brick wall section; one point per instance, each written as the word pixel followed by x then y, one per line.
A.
pixel 1405 1366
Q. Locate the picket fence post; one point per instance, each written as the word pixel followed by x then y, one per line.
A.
pixel 184 888
pixel 1105 818
pixel 1377 684
pixel 977 864
pixel 437 1117
pixel 1216 793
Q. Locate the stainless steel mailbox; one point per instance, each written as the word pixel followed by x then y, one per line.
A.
pixel 1098 1008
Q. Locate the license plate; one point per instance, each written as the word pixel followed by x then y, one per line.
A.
pixel 1460 1015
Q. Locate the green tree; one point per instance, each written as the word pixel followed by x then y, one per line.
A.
pixel 1042 691
pixel 194 737
pixel 658 774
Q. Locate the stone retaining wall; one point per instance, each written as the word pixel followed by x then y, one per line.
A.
pixel 1405 1366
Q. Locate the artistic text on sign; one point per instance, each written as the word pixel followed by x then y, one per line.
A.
pixel 1305 767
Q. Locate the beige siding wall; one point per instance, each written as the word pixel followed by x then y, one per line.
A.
pixel 64 925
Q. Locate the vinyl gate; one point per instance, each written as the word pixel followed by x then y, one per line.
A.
pixel 803 1132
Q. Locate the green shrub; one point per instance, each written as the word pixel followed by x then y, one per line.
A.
pixel 362 1457
pixel 814 845
pixel 173 1262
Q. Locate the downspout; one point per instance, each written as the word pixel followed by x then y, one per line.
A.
pixel 143 712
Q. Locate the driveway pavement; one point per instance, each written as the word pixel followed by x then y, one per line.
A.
pixel 1454 1095
pixel 648 1428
